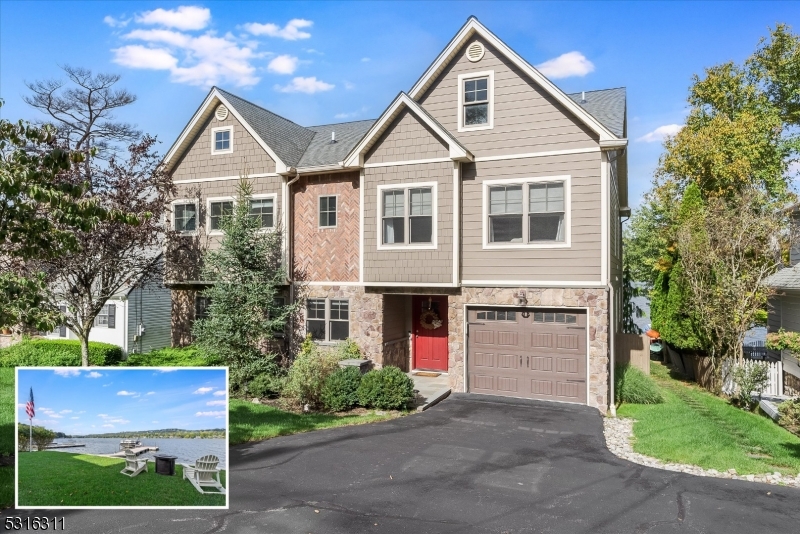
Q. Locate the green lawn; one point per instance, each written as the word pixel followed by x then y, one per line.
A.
pixel 695 427
pixel 50 478
pixel 255 422
pixel 7 440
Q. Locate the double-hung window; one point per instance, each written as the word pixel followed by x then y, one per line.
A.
pixel 408 215
pixel 222 140
pixel 327 211
pixel 217 210
pixel 527 213
pixel 328 319
pixel 106 317
pixel 263 210
pixel 185 215
pixel 475 101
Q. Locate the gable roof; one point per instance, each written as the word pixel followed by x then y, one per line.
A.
pixel 321 152
pixel 356 156
pixel 605 105
pixel 474 27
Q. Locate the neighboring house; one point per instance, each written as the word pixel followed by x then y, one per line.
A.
pixel 472 229
pixel 137 318
pixel 784 312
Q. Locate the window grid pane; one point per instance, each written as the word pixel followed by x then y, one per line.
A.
pixel 505 199
pixel 315 309
pixel 222 140
pixel 218 211
pixel 263 209
pixel 185 217
pixel 327 211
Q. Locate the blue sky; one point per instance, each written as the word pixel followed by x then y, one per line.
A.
pixel 100 400
pixel 323 62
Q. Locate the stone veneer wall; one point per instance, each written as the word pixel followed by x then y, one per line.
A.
pixel 397 353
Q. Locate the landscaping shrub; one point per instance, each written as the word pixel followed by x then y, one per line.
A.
pixel 308 373
pixel 348 350
pixel 749 379
pixel 266 385
pixel 634 387
pixel 387 389
pixel 340 391
pixel 58 353
pixel 169 357
pixel 789 411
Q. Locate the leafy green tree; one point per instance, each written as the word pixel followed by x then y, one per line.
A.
pixel 244 314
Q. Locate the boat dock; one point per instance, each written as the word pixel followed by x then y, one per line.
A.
pixel 68 446
pixel 135 450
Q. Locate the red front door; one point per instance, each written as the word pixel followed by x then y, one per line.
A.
pixel 430 344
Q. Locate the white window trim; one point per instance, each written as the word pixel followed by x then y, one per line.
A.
pixel 460 104
pixel 214 143
pixel 319 211
pixel 567 243
pixel 209 231
pixel 406 206
pixel 197 214
pixel 274 197
pixel 328 320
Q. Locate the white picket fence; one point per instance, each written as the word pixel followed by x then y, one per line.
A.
pixel 775 386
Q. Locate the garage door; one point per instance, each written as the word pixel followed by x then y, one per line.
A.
pixel 541 356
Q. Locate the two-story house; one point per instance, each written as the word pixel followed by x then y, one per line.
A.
pixel 472 229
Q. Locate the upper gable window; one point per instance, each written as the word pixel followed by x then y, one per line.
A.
pixel 476 101
pixel 222 140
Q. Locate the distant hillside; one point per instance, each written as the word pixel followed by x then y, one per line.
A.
pixel 162 433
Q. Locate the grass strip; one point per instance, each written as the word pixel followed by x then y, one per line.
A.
pixel 256 422
pixel 7 441
pixel 50 478
pixel 695 427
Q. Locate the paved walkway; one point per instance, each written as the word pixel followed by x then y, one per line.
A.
pixel 469 464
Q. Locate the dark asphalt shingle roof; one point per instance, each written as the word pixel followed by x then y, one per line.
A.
pixel 607 106
pixel 287 139
pixel 322 152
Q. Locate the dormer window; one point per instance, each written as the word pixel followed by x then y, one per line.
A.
pixel 476 101
pixel 222 140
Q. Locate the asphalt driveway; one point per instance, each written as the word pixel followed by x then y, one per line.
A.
pixel 470 464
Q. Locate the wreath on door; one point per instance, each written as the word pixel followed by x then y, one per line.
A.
pixel 429 320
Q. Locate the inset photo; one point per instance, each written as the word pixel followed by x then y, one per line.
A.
pixel 111 437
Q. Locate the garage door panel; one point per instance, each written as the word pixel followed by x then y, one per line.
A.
pixel 542 356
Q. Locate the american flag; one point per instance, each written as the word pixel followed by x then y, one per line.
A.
pixel 29 407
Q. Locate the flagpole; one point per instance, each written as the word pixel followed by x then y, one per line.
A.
pixel 30 434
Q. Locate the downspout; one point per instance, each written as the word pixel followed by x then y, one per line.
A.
pixel 289 242
pixel 611 322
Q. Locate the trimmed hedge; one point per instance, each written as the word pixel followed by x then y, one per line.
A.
pixel 634 387
pixel 386 389
pixel 58 353
pixel 340 391
pixel 183 357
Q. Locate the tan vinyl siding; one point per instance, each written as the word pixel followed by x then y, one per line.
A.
pixel 432 266
pixel 247 156
pixel 526 118
pixel 579 262
pixel 407 139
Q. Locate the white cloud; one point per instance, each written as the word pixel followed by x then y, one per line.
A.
pixel 74 417
pixel 283 64
pixel 118 421
pixel 290 32
pixel 50 413
pixel 203 60
pixel 351 114
pixel 365 60
pixel 94 374
pixel 65 411
pixel 102 415
pixel 107 426
pixel 308 85
pixel 115 22
pixel 202 391
pixel 151 393
pixel 218 393
pixel 216 403
pixel 566 66
pixel 124 393
pixel 65 371
pixel 182 18
pixel 82 411
pixel 660 133
pixel 155 421
pixel 167 370
pixel 349 85
pixel 210 414
pixel 313 51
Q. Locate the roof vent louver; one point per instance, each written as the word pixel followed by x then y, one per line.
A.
pixel 222 113
pixel 475 51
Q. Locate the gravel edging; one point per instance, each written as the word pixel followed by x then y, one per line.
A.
pixel 619 435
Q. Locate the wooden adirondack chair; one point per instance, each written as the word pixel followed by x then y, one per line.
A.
pixel 133 465
pixel 204 474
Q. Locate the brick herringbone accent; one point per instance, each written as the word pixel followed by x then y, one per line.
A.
pixel 326 254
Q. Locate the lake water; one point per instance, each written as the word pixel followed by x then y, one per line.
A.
pixel 187 450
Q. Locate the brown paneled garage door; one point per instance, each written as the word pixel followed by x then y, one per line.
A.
pixel 542 356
